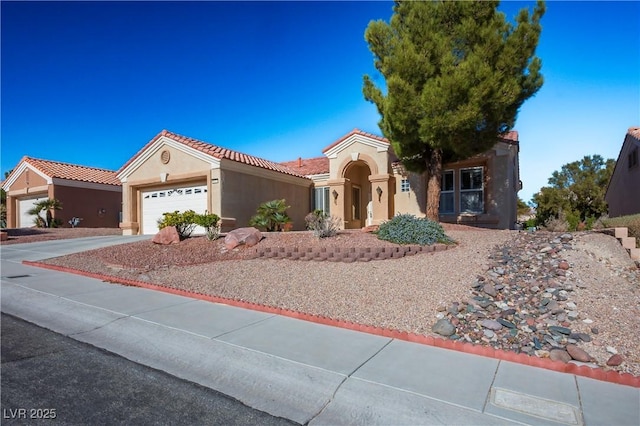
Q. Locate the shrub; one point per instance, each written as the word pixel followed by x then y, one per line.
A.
pixel 3 216
pixel 558 223
pixel 408 229
pixel 271 216
pixel 322 224
pixel 184 222
pixel 530 223
pixel 211 223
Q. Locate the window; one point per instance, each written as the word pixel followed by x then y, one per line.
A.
pixel 471 190
pixel 321 199
pixel 355 203
pixel 447 192
pixel 633 158
pixel 405 186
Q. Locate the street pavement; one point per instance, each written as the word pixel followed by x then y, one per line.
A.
pixel 297 370
pixel 47 377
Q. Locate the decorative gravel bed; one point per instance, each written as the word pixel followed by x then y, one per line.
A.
pixel 412 293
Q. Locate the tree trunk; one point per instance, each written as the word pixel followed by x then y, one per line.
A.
pixel 434 175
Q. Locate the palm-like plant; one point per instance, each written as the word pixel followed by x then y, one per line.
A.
pixel 47 206
pixel 271 215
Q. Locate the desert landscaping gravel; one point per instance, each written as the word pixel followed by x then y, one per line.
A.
pixel 600 286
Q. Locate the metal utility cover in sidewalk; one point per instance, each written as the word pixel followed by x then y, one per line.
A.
pixel 534 406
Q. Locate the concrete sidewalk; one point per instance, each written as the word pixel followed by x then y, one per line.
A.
pixel 306 372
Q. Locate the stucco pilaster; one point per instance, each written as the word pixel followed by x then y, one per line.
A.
pixel 382 197
pixel 337 193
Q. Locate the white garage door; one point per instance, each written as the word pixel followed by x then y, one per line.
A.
pixel 26 220
pixel 156 202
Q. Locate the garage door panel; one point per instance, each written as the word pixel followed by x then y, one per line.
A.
pixel 157 202
pixel 26 220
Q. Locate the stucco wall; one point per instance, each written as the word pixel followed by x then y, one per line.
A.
pixel 242 193
pixel 179 163
pixel 623 192
pixel 415 200
pixel 97 208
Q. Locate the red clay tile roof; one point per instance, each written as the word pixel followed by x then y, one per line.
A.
pixel 356 132
pixel 56 169
pixel 510 137
pixel 217 152
pixel 308 166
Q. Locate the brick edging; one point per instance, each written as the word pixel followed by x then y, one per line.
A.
pixel 344 254
pixel 611 376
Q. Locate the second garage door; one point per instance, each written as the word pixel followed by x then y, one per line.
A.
pixel 24 205
pixel 157 202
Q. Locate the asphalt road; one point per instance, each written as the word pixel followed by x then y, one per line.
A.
pixel 48 378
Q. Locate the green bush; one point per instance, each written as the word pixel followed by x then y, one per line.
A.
pixel 408 229
pixel 322 224
pixel 186 222
pixel 211 223
pixel 271 216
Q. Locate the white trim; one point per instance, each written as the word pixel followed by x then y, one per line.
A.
pixel 87 185
pixel 319 177
pixel 155 147
pixel 17 172
pixel 357 138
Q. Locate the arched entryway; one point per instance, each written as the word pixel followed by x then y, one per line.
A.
pixel 358 196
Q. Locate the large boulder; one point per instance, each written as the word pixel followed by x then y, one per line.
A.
pixel 247 236
pixel 167 235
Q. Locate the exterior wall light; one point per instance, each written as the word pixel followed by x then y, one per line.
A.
pixel 335 195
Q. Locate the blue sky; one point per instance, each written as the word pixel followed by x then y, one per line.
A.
pixel 92 82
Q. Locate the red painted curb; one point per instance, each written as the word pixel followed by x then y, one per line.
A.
pixel 460 346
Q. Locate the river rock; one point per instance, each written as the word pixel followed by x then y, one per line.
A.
pixel 444 328
pixel 578 354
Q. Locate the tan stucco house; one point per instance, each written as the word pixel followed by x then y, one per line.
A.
pixel 623 190
pixel 358 179
pixel 91 194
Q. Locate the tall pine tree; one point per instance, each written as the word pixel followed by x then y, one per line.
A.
pixel 456 74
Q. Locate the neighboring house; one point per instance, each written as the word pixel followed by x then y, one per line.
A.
pixel 358 179
pixel 623 191
pixel 94 195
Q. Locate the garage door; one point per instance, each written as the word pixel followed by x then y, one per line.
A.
pixel 26 220
pixel 156 202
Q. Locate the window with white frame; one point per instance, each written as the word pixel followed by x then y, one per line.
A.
pixel 321 199
pixel 447 188
pixel 405 186
pixel 472 190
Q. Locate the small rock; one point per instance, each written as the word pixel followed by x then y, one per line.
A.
pixel 578 354
pixel 612 350
pixel 571 306
pixel 488 333
pixel 560 355
pixel 564 265
pixel 443 327
pixel 615 361
pixel 491 324
pixel 587 321
pixel 561 330
pixel 489 289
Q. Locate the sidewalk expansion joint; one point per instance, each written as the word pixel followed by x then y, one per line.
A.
pixel 335 391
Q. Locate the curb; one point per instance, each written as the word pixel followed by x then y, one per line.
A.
pixel 611 376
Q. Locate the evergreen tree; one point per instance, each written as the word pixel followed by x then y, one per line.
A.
pixel 456 74
pixel 577 190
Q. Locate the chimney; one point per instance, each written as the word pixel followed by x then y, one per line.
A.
pixel 299 161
